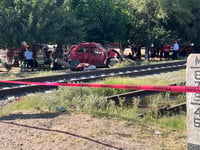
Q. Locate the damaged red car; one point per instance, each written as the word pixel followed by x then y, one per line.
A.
pixel 94 54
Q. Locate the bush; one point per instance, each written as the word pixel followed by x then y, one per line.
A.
pixel 75 99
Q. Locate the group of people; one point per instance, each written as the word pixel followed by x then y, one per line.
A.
pixel 153 52
pixel 175 49
pixel 40 58
pixel 135 50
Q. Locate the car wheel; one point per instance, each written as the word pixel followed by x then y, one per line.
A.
pixel 111 62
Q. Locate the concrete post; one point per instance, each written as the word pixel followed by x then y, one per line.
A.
pixel 193 102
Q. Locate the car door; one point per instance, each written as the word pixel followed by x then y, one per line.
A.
pixel 82 53
pixel 97 56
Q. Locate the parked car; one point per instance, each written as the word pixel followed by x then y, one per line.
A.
pixel 94 54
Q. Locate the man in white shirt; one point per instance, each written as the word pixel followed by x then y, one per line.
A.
pixel 28 54
pixel 175 50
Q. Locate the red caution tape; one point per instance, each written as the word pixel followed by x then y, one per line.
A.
pixel 18 99
pixel 191 89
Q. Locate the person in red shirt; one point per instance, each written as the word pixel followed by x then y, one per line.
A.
pixel 166 50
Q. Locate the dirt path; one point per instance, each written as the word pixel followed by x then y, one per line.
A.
pixel 25 131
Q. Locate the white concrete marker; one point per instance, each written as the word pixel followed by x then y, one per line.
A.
pixel 193 102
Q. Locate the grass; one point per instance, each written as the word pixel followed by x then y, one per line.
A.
pixel 174 122
pixel 92 101
pixel 30 103
pixel 130 63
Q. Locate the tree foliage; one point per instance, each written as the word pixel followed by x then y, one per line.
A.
pixel 104 21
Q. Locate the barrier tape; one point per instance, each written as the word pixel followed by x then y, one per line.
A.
pixel 190 89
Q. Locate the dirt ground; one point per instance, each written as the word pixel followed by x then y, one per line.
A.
pixel 25 131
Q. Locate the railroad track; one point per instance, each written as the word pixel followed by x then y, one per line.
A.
pixel 130 95
pixel 174 109
pixel 11 91
pixel 166 110
pixel 103 73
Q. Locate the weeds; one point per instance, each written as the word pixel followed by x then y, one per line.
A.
pixel 130 63
pixel 92 101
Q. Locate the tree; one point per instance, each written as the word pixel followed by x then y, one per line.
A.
pixel 13 21
pixel 148 17
pixel 37 21
pixel 102 20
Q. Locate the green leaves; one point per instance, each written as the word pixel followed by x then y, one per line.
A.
pixel 104 21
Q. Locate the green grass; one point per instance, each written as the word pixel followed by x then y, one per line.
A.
pixel 82 100
pixel 92 101
pixel 131 63
pixel 30 103
pixel 163 78
pixel 174 123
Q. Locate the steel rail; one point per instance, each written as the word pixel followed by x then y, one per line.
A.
pixel 102 73
pixel 174 109
pixel 134 94
pixel 129 96
pixel 9 90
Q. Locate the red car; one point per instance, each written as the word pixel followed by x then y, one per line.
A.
pixel 94 54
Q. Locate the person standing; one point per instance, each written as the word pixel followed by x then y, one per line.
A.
pixel 133 50
pixel 153 51
pixel 28 54
pixel 175 50
pixel 40 57
pixel 138 52
pixel 166 49
pixel 57 54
